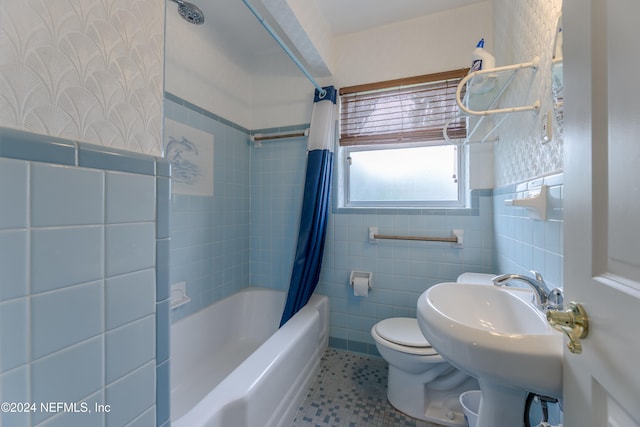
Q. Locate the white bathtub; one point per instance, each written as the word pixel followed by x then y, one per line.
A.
pixel 232 366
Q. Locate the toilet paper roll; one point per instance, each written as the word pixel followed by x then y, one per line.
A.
pixel 361 286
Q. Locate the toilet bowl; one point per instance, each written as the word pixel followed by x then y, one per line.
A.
pixel 421 383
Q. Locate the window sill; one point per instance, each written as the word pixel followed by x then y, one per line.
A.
pixel 459 211
pixel 472 210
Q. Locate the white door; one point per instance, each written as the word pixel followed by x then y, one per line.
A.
pixel 602 209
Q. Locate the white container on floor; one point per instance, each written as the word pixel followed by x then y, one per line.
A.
pixel 470 401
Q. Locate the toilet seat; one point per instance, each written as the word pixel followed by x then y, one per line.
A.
pixel 421 383
pixel 404 332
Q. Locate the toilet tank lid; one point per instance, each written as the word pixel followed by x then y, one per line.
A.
pixel 476 278
pixel 402 331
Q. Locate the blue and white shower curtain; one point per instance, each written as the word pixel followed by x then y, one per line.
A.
pixel 316 204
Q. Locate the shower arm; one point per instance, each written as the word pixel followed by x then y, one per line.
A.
pixel 321 92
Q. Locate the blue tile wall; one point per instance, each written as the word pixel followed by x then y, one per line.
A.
pixel 277 184
pixel 63 318
pixel 163 393
pixel 138 337
pixel 210 235
pixel 72 420
pixel 401 270
pixel 70 210
pixel 13 263
pixel 129 247
pixel 129 297
pixel 14 340
pixel 63 256
pixel 128 198
pixel 13 193
pixel 101 157
pixel 17 144
pixel 69 375
pixel 132 394
pixel 161 414
pixel 524 244
pixel 82 232
pixel 14 386
pixel 52 204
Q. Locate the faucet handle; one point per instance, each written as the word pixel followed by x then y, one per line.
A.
pixel 538 276
pixel 555 299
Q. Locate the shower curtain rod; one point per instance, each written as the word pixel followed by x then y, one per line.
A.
pixel 258 137
pixel 322 93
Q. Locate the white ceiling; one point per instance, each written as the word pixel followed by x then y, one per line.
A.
pixel 236 30
pixel 349 16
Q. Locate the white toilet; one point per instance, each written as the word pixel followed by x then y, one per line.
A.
pixel 421 383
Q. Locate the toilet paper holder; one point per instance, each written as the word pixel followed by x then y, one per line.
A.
pixel 361 275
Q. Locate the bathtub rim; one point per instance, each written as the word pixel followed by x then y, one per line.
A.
pixel 204 413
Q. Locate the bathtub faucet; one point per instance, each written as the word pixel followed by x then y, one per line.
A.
pixel 536 283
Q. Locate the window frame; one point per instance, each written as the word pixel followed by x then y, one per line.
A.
pixel 346 201
pixel 344 171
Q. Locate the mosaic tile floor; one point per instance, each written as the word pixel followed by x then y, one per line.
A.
pixel 351 391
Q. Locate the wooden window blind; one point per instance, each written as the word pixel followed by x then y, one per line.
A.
pixel 407 110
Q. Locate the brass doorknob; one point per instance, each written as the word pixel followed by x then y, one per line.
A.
pixel 573 322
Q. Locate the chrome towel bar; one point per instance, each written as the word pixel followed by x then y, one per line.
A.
pixel 456 237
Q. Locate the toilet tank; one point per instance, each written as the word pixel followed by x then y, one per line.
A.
pixel 476 278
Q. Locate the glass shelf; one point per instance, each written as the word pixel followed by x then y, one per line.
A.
pixel 484 89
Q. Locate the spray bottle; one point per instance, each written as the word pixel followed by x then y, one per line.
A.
pixel 481 59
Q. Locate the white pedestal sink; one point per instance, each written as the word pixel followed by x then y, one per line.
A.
pixel 498 336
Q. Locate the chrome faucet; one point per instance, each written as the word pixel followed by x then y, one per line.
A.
pixel 536 283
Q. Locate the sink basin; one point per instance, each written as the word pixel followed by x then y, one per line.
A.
pixel 498 336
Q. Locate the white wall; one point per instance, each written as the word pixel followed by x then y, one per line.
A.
pixel 277 94
pixel 205 73
pixel 424 45
pixel 282 96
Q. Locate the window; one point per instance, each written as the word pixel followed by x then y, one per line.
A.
pixel 392 151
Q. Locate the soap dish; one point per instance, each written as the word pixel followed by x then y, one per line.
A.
pixel 179 294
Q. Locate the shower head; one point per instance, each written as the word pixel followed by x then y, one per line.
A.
pixel 190 12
